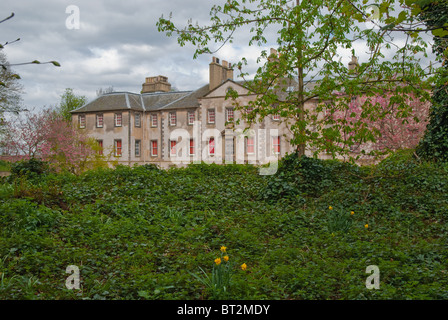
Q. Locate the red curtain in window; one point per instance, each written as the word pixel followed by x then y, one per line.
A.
pixel 154 148
pixel 276 144
pixel 173 147
pixel 118 147
pixel 250 145
pixel 211 146
pixel 191 146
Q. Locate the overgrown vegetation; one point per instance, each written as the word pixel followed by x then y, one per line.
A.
pixel 140 233
pixel 434 145
pixel 5 165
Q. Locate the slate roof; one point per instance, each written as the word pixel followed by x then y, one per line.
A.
pixel 132 101
pixel 188 101
pixel 158 100
pixel 149 101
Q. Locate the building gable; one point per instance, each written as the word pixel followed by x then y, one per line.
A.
pixel 221 90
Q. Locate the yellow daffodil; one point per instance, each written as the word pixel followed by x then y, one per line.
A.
pixel 226 258
pixel 218 261
pixel 352 212
pixel 366 226
pixel 330 207
pixel 243 266
pixel 223 249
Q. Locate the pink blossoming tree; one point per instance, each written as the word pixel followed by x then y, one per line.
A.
pixel 392 128
pixel 47 136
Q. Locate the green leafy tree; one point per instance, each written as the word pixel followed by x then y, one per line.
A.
pixel 70 101
pixel 10 95
pixel 310 40
pixel 434 145
pixel 10 92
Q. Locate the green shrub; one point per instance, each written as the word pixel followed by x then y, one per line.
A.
pixel 140 232
pixel 31 169
pixel 306 176
pixel 5 165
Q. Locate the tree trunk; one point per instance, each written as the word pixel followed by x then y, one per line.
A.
pixel 301 106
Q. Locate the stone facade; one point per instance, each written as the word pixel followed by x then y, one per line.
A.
pixel 173 128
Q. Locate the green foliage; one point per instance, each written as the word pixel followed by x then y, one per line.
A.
pixel 298 176
pixel 339 220
pixel 141 232
pixel 32 168
pixel 434 145
pixel 70 101
pixel 5 165
pixel 219 281
pixel 306 63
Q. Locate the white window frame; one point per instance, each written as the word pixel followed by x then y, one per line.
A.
pixel 230 111
pixel 139 148
pixel 138 116
pixel 171 114
pixel 98 117
pixel 154 119
pixel 156 148
pixel 82 121
pixel 116 148
pixel 247 145
pixel 209 113
pixel 173 154
pixel 190 116
pixel 118 123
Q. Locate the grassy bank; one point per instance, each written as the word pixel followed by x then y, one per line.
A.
pixel 307 232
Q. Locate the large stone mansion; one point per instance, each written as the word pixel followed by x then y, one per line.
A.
pixel 171 128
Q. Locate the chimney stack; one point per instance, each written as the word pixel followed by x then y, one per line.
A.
pixel 156 84
pixel 353 65
pixel 219 72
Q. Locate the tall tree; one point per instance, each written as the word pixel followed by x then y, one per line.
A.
pixel 434 145
pixel 10 94
pixel 70 101
pixel 46 135
pixel 310 37
pixel 10 91
pixel 394 132
pixel 102 91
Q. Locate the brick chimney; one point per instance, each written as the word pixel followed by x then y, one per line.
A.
pixel 156 84
pixel 353 65
pixel 219 72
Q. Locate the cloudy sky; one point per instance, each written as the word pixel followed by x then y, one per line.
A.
pixel 117 44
